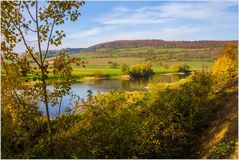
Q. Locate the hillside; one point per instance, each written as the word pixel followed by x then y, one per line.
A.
pixel 52 53
pixel 144 47
pixel 163 59
pixel 220 138
pixel 160 44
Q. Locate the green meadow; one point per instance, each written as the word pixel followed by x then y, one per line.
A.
pixel 97 62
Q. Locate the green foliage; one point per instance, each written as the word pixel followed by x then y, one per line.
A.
pixel 125 69
pixel 161 124
pixel 176 67
pixel 113 64
pixel 141 70
pixel 176 117
pixel 181 68
pixel 185 67
pixel 20 99
pixel 224 149
pixel 98 74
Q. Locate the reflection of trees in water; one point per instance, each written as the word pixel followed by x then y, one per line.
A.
pixel 121 84
pixel 124 84
pixel 108 84
pixel 141 83
pixel 98 83
pixel 167 78
pixel 160 78
pixel 136 84
pixel 133 84
pixel 175 77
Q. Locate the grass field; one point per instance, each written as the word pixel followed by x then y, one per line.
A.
pixel 97 61
pixel 92 68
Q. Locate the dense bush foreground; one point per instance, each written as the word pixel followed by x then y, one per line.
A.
pixel 158 124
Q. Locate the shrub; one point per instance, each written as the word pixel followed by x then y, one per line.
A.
pixel 176 67
pixel 175 119
pixel 224 149
pixel 98 74
pixel 185 68
pixel 113 64
pixel 181 68
pixel 141 70
pixel 125 69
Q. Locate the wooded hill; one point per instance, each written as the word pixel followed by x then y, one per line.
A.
pixel 160 44
pixel 145 43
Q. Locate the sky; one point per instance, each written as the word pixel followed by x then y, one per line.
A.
pixel 103 21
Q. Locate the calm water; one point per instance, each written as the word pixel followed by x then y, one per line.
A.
pixel 103 86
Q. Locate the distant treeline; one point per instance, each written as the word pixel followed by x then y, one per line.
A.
pixel 160 43
pixel 52 53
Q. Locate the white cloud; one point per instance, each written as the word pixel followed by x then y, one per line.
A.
pixel 128 16
pixel 166 34
pixel 167 12
pixel 85 33
pixel 204 20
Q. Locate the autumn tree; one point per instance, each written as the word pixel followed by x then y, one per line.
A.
pixel 185 68
pixel 181 68
pixel 225 68
pixel 143 70
pixel 41 21
pixel 176 67
pixel 113 64
pixel 125 69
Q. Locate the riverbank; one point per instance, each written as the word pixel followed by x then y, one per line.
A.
pixel 78 76
pixel 171 85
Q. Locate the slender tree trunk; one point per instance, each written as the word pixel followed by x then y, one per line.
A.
pixel 59 109
pixel 46 103
pixel 59 113
pixel 43 75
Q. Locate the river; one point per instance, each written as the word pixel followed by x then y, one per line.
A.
pixel 103 86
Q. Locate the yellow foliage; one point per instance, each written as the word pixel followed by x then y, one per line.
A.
pixel 225 68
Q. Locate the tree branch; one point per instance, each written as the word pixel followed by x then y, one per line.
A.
pixel 30 13
pixel 18 98
pixel 25 43
pixel 48 43
pixel 38 35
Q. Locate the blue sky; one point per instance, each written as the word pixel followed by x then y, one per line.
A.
pixel 103 21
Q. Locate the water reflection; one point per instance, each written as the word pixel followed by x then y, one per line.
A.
pixel 136 84
pixel 167 78
pixel 103 86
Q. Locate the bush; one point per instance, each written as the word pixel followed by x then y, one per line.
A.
pixel 98 74
pixel 141 70
pixel 176 67
pixel 125 69
pixel 110 128
pixel 113 64
pixel 224 149
pixel 181 68
pixel 185 68
pixel 176 117
pixel 159 124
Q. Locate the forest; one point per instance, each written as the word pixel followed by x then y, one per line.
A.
pixel 159 43
pixel 195 117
